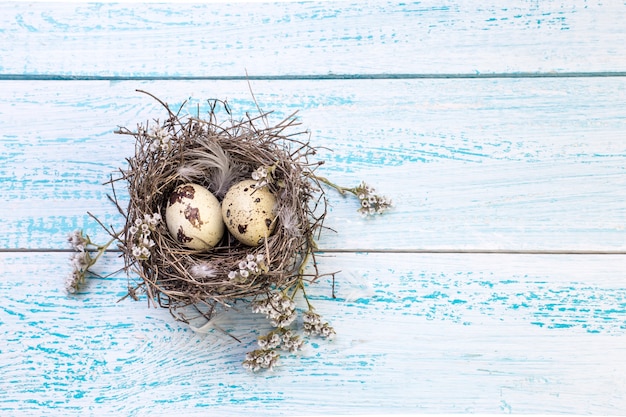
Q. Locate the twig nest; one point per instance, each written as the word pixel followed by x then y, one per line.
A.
pixel 193 217
pixel 249 212
pixel 271 208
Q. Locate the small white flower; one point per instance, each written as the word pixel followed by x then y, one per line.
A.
pixel 325 331
pixel 80 261
pixel 72 282
pixel 311 318
pixel 262 176
pixel 77 240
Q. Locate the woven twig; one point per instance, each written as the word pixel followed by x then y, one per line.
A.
pixel 192 150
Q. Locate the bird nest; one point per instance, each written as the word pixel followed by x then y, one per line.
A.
pixel 216 155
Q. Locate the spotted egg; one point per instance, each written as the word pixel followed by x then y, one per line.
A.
pixel 249 212
pixel 193 217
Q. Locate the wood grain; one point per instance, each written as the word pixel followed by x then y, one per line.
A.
pixel 494 126
pixel 509 165
pixel 311 38
pixel 415 334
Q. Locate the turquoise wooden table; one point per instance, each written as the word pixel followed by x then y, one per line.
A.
pixel 496 284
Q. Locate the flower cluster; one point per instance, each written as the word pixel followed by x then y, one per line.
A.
pixel 282 338
pixel 313 325
pixel 266 357
pixel 278 308
pixel 263 176
pixel 77 241
pixel 261 359
pixel 371 203
pixel 161 140
pixel 140 235
pixel 80 260
pixel 248 269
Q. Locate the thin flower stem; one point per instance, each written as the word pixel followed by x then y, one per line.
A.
pixel 300 282
pixel 306 298
pixel 103 248
pixel 340 189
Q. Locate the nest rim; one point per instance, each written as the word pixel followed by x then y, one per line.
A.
pixel 250 142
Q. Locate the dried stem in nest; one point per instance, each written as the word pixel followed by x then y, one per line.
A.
pixel 203 151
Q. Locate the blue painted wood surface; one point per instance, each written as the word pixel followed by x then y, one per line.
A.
pixel 496 285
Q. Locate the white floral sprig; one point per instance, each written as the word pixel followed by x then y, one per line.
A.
pixel 313 325
pixel 86 255
pixel 261 359
pixel 267 356
pixel 280 309
pixel 248 269
pixel 87 252
pixel 371 203
pixel 140 235
pixel 161 140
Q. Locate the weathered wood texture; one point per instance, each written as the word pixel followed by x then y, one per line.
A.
pixel 316 38
pixel 495 126
pixel 416 333
pixel 513 164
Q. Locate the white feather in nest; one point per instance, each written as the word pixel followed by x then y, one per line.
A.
pixel 213 161
pixel 289 221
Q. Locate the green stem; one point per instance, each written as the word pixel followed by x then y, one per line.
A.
pixel 303 264
pixel 306 298
pixel 340 189
pixel 103 248
pixel 300 283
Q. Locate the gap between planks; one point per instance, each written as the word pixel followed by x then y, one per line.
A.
pixel 64 77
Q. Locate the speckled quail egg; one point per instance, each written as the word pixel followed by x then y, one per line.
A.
pixel 249 212
pixel 193 217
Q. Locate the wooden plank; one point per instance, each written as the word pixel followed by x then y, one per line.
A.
pixel 415 334
pixel 311 38
pixel 526 164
